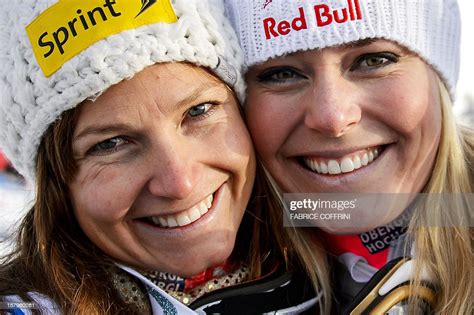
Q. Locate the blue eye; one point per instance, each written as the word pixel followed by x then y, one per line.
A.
pixel 280 75
pixel 198 110
pixel 374 61
pixel 202 110
pixel 108 146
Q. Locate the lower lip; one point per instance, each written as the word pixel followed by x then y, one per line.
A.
pixel 338 178
pixel 180 230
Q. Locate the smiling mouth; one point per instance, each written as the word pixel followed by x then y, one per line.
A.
pixel 185 217
pixel 343 165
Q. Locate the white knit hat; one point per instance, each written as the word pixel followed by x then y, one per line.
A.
pixel 273 28
pixel 56 54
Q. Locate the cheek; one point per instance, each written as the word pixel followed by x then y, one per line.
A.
pixel 234 153
pixel 411 110
pixel 416 101
pixel 237 141
pixel 230 141
pixel 411 105
pixel 268 122
pixel 99 196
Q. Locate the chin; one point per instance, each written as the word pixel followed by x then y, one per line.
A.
pixel 197 266
pixel 194 263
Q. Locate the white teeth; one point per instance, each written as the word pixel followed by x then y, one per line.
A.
pixel 371 156
pixel 209 201
pixel 171 222
pixel 357 163
pixel 163 221
pixel 185 217
pixel 365 159
pixel 203 210
pixel 316 165
pixel 334 167
pixel 347 165
pixel 182 219
pixel 194 214
pixel 324 168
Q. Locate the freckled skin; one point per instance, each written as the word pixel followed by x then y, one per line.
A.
pixel 335 100
pixel 164 161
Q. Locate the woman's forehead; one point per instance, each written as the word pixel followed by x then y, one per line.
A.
pixel 363 43
pixel 377 44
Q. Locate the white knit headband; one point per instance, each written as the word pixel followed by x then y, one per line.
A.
pixel 273 28
pixel 55 54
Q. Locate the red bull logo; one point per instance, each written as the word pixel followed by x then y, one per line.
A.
pixel 324 14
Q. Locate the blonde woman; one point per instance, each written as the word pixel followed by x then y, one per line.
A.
pixel 125 115
pixel 356 97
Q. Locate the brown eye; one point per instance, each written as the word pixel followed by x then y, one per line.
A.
pixel 284 75
pixel 280 75
pixel 374 61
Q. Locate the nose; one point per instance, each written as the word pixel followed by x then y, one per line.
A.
pixel 173 170
pixel 332 108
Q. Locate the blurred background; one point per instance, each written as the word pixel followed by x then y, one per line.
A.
pixel 16 197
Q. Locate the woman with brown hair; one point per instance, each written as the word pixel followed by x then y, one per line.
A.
pixel 124 116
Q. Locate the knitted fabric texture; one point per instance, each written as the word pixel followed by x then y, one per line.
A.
pixel 31 102
pixel 430 28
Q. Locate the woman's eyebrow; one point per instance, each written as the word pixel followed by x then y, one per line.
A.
pixel 197 93
pixel 359 43
pixel 94 130
pixel 354 44
pixel 120 127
